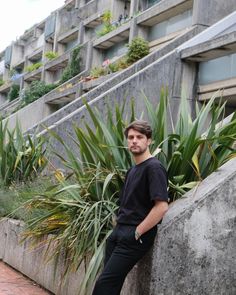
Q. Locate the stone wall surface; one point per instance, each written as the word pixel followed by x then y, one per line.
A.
pixel 31 260
pixel 195 249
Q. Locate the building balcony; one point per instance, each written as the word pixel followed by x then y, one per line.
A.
pixel 163 11
pixel 57 63
pixel 114 37
pixel 33 76
pixel 94 20
pixel 4 89
pixel 36 55
pixel 210 49
pixel 69 36
pixel 88 9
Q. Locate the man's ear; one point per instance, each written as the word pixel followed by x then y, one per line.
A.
pixel 149 141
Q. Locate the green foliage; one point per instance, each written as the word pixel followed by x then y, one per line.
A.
pixel 121 64
pixel 1 82
pixel 73 68
pixel 137 49
pixel 107 28
pixel 21 158
pixel 33 67
pixel 113 67
pixel 97 72
pixel 36 90
pixel 79 213
pixel 107 25
pixel 13 197
pixel 14 92
pixel 51 55
pixel 107 17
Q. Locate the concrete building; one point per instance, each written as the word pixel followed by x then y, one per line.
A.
pixel 165 24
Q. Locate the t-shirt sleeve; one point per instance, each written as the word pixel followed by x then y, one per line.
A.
pixel 158 182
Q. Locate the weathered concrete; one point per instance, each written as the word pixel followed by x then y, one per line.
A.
pixel 210 49
pixel 195 249
pixel 31 260
pixel 3 236
pixel 209 12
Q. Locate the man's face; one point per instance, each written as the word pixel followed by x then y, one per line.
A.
pixel 137 142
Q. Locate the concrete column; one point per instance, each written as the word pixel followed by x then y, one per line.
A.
pixel 189 79
pixel 209 12
pixel 57 26
pixel 134 5
pixel 91 53
pixel 117 9
pixel 81 33
pixel 133 29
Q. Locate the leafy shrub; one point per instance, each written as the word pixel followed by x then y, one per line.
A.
pixel 51 55
pixel 14 92
pixel 107 25
pixel 97 72
pixel 36 90
pixel 73 68
pixel 21 158
pixel 33 67
pixel 113 67
pixel 137 49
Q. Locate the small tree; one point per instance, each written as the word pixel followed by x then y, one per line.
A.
pixel 14 92
pixel 73 68
pixel 137 49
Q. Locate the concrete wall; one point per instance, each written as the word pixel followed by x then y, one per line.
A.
pixel 209 12
pixel 194 252
pixel 195 249
pixel 30 260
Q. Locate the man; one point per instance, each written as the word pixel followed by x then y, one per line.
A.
pixel 143 203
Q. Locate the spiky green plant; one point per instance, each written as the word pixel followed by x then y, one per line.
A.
pixel 21 158
pixel 80 213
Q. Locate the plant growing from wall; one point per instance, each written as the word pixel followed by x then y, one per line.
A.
pixel 21 158
pixel 51 55
pixel 33 67
pixel 82 210
pixel 107 24
pixel 97 72
pixel 36 90
pixel 14 92
pixel 73 68
pixel 138 48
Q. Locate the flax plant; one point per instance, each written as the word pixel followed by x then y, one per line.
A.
pixel 21 158
pixel 79 211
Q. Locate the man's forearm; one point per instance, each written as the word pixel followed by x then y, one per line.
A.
pixel 153 217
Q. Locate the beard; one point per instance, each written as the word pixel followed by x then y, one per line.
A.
pixel 137 150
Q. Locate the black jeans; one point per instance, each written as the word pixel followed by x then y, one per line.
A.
pixel 122 253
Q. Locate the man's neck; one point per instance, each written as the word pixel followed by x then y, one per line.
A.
pixel 141 158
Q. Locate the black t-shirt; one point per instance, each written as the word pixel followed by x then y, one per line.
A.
pixel 144 183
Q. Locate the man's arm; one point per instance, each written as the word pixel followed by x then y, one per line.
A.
pixel 154 216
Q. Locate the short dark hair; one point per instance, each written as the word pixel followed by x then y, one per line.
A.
pixel 140 126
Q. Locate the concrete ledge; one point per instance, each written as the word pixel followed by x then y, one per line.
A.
pixel 162 11
pixel 31 261
pixel 217 47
